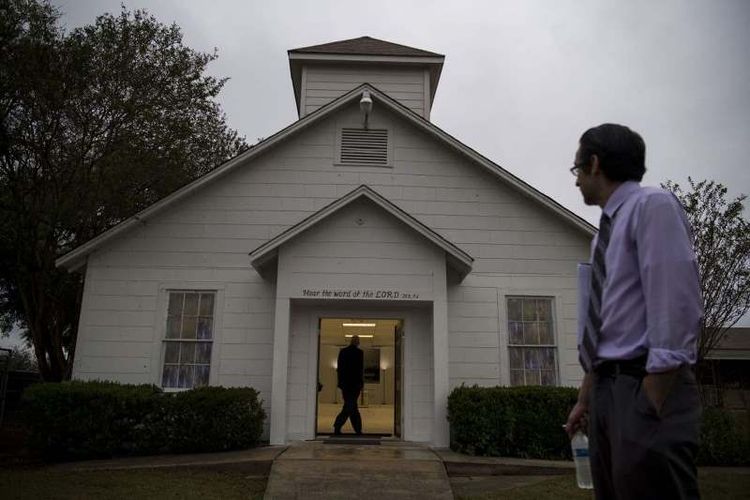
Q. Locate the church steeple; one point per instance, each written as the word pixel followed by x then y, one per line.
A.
pixel 321 73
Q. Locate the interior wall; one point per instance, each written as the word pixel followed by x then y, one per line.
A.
pixel 332 340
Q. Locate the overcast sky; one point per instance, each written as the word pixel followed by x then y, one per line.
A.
pixel 522 79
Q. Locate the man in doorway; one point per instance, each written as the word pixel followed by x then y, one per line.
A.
pixel 350 369
pixel 639 342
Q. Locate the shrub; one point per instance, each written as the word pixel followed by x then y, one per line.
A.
pixel 511 421
pixel 213 419
pixel 87 419
pixel 526 422
pixel 723 441
pixel 103 419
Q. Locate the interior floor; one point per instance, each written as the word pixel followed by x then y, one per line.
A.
pixel 376 419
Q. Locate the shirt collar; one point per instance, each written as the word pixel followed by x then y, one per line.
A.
pixel 618 197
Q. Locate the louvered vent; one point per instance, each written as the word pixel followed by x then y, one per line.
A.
pixel 364 147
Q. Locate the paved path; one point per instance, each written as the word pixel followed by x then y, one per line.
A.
pixel 393 470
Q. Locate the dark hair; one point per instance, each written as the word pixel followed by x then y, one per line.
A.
pixel 621 152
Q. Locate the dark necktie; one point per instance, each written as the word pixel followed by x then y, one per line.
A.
pixel 592 328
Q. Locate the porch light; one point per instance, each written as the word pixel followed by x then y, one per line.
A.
pixel 365 104
pixel 359 325
pixel 360 336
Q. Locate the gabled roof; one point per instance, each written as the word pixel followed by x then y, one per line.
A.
pixel 365 46
pixel 76 258
pixel 263 257
pixel 363 50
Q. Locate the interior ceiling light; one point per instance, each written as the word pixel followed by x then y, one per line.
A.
pixel 370 325
pixel 360 336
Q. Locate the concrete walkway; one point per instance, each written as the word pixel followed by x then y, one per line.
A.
pixel 393 469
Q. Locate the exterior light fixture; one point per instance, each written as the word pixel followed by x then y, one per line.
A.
pixel 358 325
pixel 360 336
pixel 365 104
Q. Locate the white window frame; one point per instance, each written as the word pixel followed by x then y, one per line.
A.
pixel 555 319
pixel 159 343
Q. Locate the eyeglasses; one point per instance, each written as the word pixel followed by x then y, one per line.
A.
pixel 576 168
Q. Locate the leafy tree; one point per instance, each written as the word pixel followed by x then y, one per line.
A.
pixel 722 246
pixel 20 359
pixel 96 125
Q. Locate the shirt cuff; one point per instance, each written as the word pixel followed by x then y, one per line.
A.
pixel 663 360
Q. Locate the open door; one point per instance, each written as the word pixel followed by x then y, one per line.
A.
pixel 380 400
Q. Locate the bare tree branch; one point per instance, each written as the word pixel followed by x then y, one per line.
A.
pixel 722 246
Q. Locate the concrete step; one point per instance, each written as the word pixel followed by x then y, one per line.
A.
pixel 313 470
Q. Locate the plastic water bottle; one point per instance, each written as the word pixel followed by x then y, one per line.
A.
pixel 580 446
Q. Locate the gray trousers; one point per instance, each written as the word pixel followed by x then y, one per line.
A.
pixel 637 454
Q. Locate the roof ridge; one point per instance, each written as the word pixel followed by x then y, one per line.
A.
pixel 365 45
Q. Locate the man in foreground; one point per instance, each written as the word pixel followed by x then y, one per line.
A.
pixel 639 341
pixel 350 370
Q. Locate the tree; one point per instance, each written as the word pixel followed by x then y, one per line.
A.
pixel 722 246
pixel 97 124
pixel 21 360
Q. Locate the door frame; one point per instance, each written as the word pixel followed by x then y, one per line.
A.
pixel 398 377
pixel 405 311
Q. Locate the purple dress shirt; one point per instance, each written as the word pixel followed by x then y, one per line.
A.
pixel 651 301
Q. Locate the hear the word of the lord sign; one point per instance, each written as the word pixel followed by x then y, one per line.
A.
pixel 358 293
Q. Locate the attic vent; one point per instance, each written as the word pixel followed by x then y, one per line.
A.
pixel 364 146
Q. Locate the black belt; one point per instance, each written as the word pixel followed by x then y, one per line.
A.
pixel 612 368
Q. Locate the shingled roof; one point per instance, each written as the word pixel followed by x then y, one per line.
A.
pixel 365 46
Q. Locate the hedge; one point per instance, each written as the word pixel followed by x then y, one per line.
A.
pixel 723 440
pixel 75 420
pixel 527 422
pixel 511 421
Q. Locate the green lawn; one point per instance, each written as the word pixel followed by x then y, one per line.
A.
pixel 131 484
pixel 199 484
pixel 713 485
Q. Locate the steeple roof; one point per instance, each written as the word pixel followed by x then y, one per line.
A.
pixel 365 46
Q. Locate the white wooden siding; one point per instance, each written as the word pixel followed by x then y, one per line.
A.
pixel 301 394
pixel 518 246
pixel 385 255
pixel 395 258
pixel 419 377
pixel 323 84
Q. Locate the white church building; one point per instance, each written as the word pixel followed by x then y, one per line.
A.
pixel 360 218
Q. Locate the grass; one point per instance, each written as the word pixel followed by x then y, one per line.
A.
pixel 143 483
pixel 714 485
pixel 190 483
